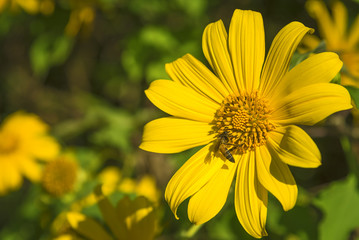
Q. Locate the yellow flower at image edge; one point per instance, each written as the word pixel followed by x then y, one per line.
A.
pixel 23 139
pixel 338 35
pixel 245 115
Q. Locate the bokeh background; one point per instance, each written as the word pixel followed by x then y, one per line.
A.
pixel 83 65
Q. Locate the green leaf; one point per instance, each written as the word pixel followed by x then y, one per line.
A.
pixel 339 204
pixel 354 93
pixel 49 50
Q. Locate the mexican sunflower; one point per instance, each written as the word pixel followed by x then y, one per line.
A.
pixel 245 114
pixel 24 139
pixel 339 37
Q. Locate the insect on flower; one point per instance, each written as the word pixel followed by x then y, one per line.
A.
pixel 221 145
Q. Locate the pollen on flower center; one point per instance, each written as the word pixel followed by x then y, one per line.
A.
pixel 243 119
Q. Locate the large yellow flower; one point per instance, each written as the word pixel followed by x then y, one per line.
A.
pixel 333 29
pixel 247 109
pixel 23 139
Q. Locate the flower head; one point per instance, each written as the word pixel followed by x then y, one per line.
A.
pixel 333 29
pixel 245 115
pixel 59 176
pixel 23 139
pixel 45 7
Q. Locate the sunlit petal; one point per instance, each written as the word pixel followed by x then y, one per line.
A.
pixel 192 176
pixel 180 101
pixel 311 104
pixel 192 73
pixel 293 146
pixel 276 177
pixel 215 49
pixel 170 135
pixel 246 44
pixel 250 197
pixel 280 54
pixel 319 68
pixel 209 200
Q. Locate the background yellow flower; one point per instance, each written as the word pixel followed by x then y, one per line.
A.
pixel 24 140
pixel 339 35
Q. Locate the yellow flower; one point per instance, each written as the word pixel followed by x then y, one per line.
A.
pixel 82 16
pixel 59 176
pixel 46 7
pixel 146 187
pixel 333 29
pixel 23 139
pixel 130 219
pixel 245 115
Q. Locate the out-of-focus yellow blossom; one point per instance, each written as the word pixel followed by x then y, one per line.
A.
pixel 111 180
pixel 59 176
pixel 82 16
pixel 130 219
pixel 23 139
pixel 45 7
pixel 338 37
pixel 146 186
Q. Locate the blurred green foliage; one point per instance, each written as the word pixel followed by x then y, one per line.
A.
pixel 88 85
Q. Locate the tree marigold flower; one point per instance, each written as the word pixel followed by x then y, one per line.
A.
pixel 245 115
pixel 338 35
pixel 23 139
pixel 59 176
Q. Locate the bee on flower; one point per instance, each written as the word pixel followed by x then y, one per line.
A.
pixel 256 102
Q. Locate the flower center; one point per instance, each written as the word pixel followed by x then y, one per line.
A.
pixel 8 143
pixel 59 176
pixel 243 121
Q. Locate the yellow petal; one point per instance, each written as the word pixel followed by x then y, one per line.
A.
pixel 42 147
pixel 353 36
pixel 30 169
pixel 10 177
pixel 250 197
pixel 192 73
pixel 25 123
pixel 180 101
pixel 171 135
pixel 139 216
pixel 276 177
pixel 209 200
pixel 247 47
pixel 293 146
pixel 215 49
pixel 327 29
pixel 191 177
pixel 340 17
pixel 87 226
pixel 311 104
pixel 319 68
pixel 280 54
